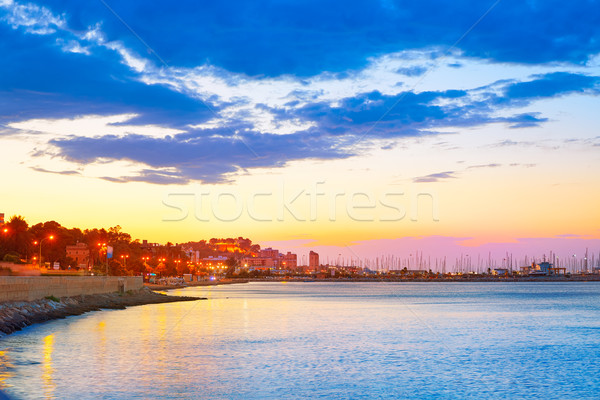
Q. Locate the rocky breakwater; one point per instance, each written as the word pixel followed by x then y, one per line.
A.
pixel 15 316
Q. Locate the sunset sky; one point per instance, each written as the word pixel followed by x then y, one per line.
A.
pixel 354 128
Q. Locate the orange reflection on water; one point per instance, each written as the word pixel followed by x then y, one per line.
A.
pixel 5 367
pixel 47 369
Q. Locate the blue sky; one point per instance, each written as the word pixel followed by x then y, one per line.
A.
pixel 185 93
pixel 242 75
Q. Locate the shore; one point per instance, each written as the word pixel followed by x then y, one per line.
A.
pixel 196 283
pixel 15 316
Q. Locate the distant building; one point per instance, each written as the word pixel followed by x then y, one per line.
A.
pixel 80 253
pixel 543 268
pixel 269 253
pixel 313 259
pixel 500 271
pixel 253 263
pixel 290 261
pixel 193 255
pixel 213 261
pixel 1 218
pixel 146 245
pixel 150 247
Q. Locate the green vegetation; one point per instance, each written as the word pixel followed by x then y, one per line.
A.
pixel 19 243
pixel 11 257
pixel 52 298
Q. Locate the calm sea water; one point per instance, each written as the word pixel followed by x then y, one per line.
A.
pixel 322 340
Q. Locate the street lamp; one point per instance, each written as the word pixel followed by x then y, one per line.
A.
pixel 124 258
pixel 103 245
pixel 51 237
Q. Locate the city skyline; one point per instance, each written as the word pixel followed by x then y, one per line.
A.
pixel 361 129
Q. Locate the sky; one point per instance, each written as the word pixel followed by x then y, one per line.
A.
pixel 358 128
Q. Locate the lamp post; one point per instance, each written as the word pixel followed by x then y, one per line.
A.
pixel 124 258
pixel 41 241
pixel 103 245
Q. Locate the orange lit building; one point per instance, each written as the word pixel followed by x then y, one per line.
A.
pixel 80 253
pixel 213 262
pixel 225 247
pixel 269 253
pixel 313 259
pixel 260 262
pixel 290 261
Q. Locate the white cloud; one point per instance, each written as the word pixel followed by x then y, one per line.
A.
pixel 240 97
pixel 35 19
pixel 73 46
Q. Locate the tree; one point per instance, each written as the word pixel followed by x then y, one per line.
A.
pixel 18 237
pixel 232 263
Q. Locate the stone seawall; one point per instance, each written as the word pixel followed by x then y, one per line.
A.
pixel 17 315
pixel 30 288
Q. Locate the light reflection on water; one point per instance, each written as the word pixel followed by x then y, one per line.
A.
pixel 328 340
pixel 47 370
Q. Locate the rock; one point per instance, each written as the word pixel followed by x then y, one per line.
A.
pixel 17 315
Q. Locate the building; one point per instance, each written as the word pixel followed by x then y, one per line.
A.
pixel 290 261
pixel 500 271
pixel 313 259
pixel 269 253
pixel 193 255
pixel 80 253
pixel 213 262
pixel 260 263
pixel 1 218
pixel 547 268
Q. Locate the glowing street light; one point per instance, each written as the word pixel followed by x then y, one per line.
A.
pixel 124 258
pixel 103 245
pixel 51 237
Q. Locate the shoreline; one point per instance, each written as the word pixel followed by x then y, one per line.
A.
pixel 442 280
pixel 152 286
pixel 17 315
pixel 459 279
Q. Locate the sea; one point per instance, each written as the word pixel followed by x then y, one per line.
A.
pixel 329 340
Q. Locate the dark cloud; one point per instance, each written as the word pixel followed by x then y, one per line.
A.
pixel 492 165
pixel 525 120
pixel 304 38
pixel 375 114
pixel 509 142
pixel 437 177
pixel 551 85
pixel 202 155
pixel 67 172
pixel 209 155
pixel 159 178
pixel 39 80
